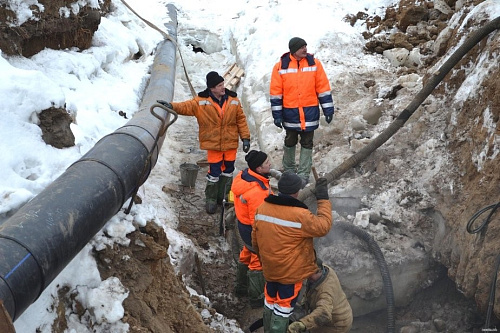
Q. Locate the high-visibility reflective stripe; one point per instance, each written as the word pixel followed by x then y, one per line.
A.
pixel 278 221
pixel 276 97
pixel 326 93
pixel 297 125
pixel 235 102
pixel 283 311
pixel 212 178
pixel 269 305
pixel 277 108
pixel 288 71
pixel 310 69
pixel 204 102
pixel 242 199
pixel 326 105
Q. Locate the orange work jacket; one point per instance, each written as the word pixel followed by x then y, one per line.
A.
pixel 282 236
pixel 218 127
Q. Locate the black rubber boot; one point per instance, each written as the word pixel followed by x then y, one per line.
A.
pixel 224 188
pixel 211 197
pixel 241 286
pixel 256 283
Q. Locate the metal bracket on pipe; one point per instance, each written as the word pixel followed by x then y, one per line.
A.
pixel 161 132
pixel 164 124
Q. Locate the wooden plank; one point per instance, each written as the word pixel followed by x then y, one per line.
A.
pixel 233 76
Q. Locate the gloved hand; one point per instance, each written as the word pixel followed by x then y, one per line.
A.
pixel 329 118
pixel 165 103
pixel 246 145
pixel 321 189
pixel 277 122
pixel 275 173
pixel 296 327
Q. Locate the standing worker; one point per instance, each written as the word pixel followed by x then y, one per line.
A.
pixel 325 304
pixel 282 236
pixel 250 188
pixel 221 122
pixel 298 83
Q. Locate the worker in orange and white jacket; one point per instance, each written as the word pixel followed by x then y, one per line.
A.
pixel 298 86
pixel 282 236
pixel 221 123
pixel 250 188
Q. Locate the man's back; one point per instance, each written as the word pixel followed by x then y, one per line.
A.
pixel 283 237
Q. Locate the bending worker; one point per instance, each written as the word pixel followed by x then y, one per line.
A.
pixel 325 304
pixel 221 122
pixel 250 188
pixel 298 83
pixel 282 236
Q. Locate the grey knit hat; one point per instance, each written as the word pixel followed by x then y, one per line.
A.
pixel 289 183
pixel 295 44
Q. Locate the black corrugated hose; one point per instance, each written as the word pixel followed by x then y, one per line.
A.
pixel 470 230
pixel 384 270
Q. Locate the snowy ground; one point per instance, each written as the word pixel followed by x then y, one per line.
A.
pixel 97 83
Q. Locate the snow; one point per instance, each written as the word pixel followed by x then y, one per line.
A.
pixel 95 84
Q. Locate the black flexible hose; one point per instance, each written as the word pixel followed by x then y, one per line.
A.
pixel 384 270
pixel 474 217
pixel 470 230
pixel 491 298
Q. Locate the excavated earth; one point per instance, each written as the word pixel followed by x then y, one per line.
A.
pixel 458 265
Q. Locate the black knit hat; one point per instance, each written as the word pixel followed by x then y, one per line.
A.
pixel 295 44
pixel 213 79
pixel 289 183
pixel 255 159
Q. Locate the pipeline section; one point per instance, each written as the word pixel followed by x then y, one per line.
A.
pixel 40 239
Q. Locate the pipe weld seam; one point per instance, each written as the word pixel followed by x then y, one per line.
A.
pixel 112 170
pixel 42 287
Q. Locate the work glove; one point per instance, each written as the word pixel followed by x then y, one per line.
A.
pixel 277 122
pixel 329 118
pixel 275 174
pixel 165 103
pixel 296 327
pixel 246 145
pixel 322 189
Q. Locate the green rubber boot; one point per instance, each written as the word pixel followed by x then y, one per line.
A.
pixel 288 158
pixel 305 164
pixel 256 283
pixel 278 324
pixel 266 317
pixel 224 188
pixel 241 287
pixel 211 196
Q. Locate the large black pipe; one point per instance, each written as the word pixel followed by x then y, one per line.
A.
pixel 40 239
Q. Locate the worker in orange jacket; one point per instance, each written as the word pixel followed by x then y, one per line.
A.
pixel 298 86
pixel 282 236
pixel 250 188
pixel 221 122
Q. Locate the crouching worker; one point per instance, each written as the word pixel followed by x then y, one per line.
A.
pixel 250 188
pixel 282 236
pixel 221 122
pixel 325 304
